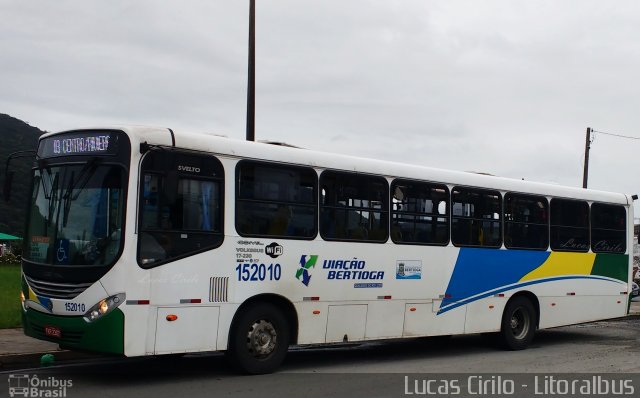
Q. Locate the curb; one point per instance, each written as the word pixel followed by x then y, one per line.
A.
pixel 32 359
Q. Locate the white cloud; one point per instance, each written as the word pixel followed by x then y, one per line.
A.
pixel 507 87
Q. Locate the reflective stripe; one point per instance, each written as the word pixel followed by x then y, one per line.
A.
pixel 137 302
pixel 190 301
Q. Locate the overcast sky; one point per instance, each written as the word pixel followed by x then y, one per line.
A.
pixel 505 87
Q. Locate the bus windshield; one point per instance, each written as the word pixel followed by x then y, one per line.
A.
pixel 76 214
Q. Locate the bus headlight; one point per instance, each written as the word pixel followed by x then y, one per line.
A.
pixel 23 300
pixel 104 307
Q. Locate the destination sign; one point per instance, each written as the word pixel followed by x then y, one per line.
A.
pixel 85 143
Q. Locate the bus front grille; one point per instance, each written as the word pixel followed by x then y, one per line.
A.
pixel 66 291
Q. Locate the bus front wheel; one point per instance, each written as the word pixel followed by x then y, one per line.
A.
pixel 259 339
pixel 518 323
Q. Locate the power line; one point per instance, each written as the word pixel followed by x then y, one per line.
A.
pixel 616 135
pixel 589 140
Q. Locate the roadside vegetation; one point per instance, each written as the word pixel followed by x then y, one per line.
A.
pixel 9 296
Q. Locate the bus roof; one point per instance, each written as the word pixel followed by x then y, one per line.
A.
pixel 229 147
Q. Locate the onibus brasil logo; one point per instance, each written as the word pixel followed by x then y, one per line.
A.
pixel 32 386
pixel 305 265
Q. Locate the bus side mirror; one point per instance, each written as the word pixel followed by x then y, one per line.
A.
pixel 8 182
pixel 170 189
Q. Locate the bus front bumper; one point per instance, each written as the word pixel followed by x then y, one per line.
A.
pixel 104 335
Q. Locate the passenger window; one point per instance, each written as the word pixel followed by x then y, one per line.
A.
pixel 526 222
pixel 569 225
pixel 419 213
pixel 276 200
pixel 475 217
pixel 608 228
pixel 181 206
pixel 354 207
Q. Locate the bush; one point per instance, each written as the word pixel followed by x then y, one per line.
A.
pixel 10 258
pixel 16 248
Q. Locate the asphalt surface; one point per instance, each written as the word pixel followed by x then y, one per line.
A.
pixel 608 349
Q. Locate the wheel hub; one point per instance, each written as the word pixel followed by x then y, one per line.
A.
pixel 261 338
pixel 519 323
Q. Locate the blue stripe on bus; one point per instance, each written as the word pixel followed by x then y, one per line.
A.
pixel 481 270
pixel 448 307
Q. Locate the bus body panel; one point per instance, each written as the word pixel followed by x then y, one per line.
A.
pixel 186 329
pixel 364 291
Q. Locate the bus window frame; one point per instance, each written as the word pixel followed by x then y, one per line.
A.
pixel 624 241
pixel 447 216
pixel 499 221
pixel 221 179
pixel 276 165
pixel 551 225
pixel 386 210
pixel 81 274
pixel 504 220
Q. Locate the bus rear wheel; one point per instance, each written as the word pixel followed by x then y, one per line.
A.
pixel 518 324
pixel 259 339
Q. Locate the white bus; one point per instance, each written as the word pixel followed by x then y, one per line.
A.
pixel 142 241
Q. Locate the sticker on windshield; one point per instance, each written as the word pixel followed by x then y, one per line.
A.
pixel 39 247
pixel 62 251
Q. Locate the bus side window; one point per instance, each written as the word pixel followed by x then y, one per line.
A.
pixel 608 228
pixel 525 221
pixel 476 218
pixel 274 200
pixel 187 220
pixel 569 225
pixel 419 212
pixel 354 207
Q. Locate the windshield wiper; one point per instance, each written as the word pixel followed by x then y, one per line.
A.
pixel 52 196
pixel 45 178
pixel 85 174
pixel 66 197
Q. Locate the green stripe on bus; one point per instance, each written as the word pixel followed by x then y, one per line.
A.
pixel 614 266
pixel 104 335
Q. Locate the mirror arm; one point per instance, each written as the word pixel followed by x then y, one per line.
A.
pixel 8 175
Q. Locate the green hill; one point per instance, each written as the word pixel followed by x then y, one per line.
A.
pixel 16 135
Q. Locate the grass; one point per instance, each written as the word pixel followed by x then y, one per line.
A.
pixel 9 296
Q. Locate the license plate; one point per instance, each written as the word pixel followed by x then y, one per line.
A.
pixel 53 331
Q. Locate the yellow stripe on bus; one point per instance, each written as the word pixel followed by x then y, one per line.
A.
pixel 32 296
pixel 562 263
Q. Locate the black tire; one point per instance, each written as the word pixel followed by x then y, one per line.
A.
pixel 259 339
pixel 519 322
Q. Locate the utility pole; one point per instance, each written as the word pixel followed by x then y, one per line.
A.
pixel 587 147
pixel 251 81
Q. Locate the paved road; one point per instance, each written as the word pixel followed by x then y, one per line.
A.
pixel 375 369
